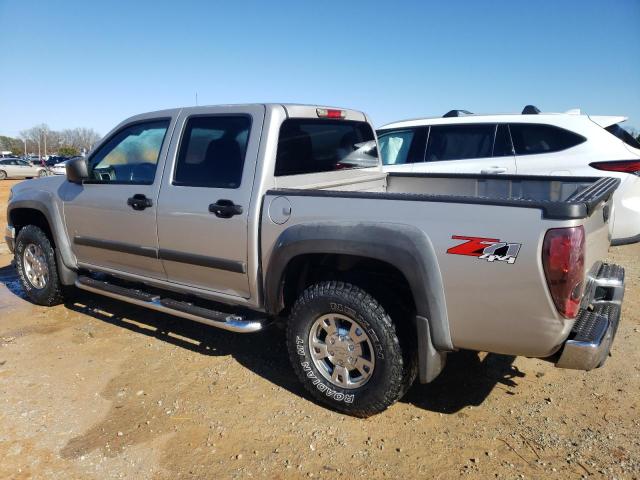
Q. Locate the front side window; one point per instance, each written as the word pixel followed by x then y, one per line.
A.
pixel 212 151
pixel 313 146
pixel 529 139
pixel 131 155
pixel 458 142
pixel 395 146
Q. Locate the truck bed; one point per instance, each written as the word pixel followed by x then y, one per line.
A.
pixel 514 314
pixel 558 197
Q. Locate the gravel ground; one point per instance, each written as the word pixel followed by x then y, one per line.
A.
pixel 101 389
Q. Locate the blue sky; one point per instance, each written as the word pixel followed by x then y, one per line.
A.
pixel 93 63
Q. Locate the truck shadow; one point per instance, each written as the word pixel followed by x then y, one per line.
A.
pixel 467 380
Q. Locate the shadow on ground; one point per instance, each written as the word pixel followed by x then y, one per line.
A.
pixel 467 379
pixel 9 278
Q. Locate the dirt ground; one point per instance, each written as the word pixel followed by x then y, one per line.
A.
pixel 102 389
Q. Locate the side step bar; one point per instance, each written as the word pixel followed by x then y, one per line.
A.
pixel 225 321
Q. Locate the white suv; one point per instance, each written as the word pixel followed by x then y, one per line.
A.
pixel 531 143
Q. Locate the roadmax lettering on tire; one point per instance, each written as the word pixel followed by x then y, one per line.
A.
pixel 338 396
pixel 343 309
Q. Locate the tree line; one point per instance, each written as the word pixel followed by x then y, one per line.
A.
pixel 40 140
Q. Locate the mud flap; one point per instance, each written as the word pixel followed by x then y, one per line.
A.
pixel 430 361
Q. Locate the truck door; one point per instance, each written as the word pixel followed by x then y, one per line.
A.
pixel 205 198
pixel 111 217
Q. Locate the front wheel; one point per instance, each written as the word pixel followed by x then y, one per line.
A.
pixel 42 173
pixel 345 349
pixel 36 264
pixel 3 174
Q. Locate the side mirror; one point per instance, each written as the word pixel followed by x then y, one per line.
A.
pixel 77 170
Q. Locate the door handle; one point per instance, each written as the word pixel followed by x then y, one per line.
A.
pixel 493 170
pixel 139 202
pixel 225 209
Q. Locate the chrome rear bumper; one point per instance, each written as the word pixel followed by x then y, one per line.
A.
pixel 595 327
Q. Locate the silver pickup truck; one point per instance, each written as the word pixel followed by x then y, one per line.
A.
pixel 237 216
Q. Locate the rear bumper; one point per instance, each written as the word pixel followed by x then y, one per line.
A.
pixel 10 237
pixel 594 330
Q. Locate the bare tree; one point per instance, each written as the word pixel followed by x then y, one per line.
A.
pixel 82 139
pixel 42 140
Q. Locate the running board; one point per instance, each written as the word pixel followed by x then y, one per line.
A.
pixel 225 321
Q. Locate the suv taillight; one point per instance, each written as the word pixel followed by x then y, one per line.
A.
pixel 624 166
pixel 563 263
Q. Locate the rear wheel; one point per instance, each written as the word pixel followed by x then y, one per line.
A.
pixel 345 349
pixel 3 174
pixel 42 173
pixel 36 264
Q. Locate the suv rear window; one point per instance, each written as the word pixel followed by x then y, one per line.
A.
pixel 529 139
pixel 620 132
pixel 312 146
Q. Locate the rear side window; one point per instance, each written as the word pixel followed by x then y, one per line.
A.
pixel 395 146
pixel 312 146
pixel 457 142
pixel 529 139
pixel 212 152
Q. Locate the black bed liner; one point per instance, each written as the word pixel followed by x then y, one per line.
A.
pixel 589 193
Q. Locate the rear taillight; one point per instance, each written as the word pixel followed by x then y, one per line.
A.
pixel 624 166
pixel 330 113
pixel 563 263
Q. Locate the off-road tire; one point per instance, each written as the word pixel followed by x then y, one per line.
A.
pixel 52 293
pixel 395 360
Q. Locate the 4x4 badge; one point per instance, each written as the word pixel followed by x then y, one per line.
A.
pixel 489 249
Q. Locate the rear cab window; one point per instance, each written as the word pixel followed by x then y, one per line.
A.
pixel 322 145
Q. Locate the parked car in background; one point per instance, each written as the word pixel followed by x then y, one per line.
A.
pixel 530 143
pixel 60 168
pixel 53 160
pixel 33 159
pixel 17 168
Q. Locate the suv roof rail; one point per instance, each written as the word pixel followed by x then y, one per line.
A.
pixel 530 110
pixel 457 113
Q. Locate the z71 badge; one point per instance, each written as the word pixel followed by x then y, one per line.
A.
pixel 489 249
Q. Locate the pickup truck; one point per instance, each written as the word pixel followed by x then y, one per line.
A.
pixel 239 216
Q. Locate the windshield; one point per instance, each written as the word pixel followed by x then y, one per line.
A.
pixel 623 135
pixel 312 146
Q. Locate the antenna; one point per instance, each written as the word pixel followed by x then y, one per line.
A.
pixel 196 99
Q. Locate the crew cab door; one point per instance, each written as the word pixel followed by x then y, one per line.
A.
pixel 111 216
pixel 205 198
